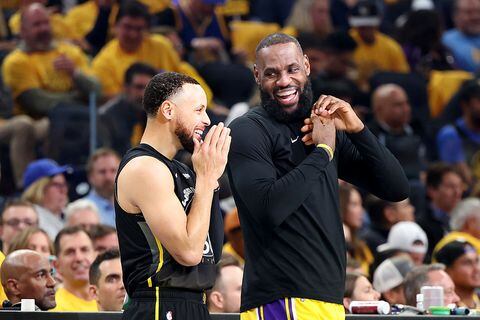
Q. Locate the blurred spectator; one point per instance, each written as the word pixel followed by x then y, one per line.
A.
pixel 358 288
pixel 464 40
pixel 83 213
pixel 135 44
pixel 27 275
pixel 391 125
pixel 91 22
pixel 35 239
pixel 311 16
pixel 224 297
pixel 16 216
pixel 104 238
pixel 46 187
pixel 375 51
pixel 389 277
pixel 459 142
pixel 271 10
pixel 420 38
pixel 352 213
pixel 383 216
pixel 234 237
pixel 75 254
pixel 444 189
pixel 102 168
pixel 462 265
pixel 123 119
pixel 106 283
pixel 408 237
pixel 464 223
pixel 60 30
pixel 429 275
pixel 43 73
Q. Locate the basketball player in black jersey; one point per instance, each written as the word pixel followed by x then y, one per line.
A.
pixel 169 225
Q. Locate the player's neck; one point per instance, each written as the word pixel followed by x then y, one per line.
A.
pixel 161 139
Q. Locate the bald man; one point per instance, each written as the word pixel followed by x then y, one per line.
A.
pixel 27 275
pixel 391 124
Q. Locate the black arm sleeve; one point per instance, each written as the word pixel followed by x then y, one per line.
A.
pixel 254 177
pixel 98 36
pixel 365 162
pixel 216 228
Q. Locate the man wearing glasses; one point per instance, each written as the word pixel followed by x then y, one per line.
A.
pixel 17 216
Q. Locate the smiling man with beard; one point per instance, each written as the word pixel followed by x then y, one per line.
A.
pixel 169 225
pixel 283 166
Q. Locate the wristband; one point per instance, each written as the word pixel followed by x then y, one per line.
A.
pixel 326 148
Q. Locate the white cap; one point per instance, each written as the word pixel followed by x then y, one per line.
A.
pixel 391 273
pixel 422 5
pixel 406 236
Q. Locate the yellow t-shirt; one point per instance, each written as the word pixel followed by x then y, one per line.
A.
pixel 385 54
pixel 3 296
pixel 442 86
pixel 111 62
pixel 66 301
pixel 61 30
pixel 227 248
pixel 455 235
pixel 81 18
pixel 23 71
pixel 155 6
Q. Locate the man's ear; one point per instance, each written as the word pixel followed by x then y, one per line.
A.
pixel 167 109
pixel 256 74
pixel 346 303
pixel 307 64
pixel 12 287
pixel 92 289
pixel 216 300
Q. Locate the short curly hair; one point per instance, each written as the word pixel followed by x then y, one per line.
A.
pixel 162 87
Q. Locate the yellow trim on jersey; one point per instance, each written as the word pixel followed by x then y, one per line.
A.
pixel 157 303
pixel 160 261
pixel 287 309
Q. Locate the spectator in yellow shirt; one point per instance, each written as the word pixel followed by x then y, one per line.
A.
pixel 42 73
pixel 75 254
pixel 375 51
pixel 134 44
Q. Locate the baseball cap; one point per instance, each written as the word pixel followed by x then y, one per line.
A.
pixel 42 168
pixel 450 252
pixel 365 14
pixel 406 236
pixel 391 273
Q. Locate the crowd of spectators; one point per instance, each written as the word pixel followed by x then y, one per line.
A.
pixel 409 68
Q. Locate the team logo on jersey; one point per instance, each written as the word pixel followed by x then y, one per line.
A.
pixel 208 257
pixel 187 195
pixel 169 315
pixel 186 175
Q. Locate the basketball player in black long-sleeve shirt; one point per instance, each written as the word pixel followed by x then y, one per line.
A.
pixel 283 173
pixel 168 221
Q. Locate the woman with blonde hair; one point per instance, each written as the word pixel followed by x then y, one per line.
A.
pixel 35 239
pixel 312 16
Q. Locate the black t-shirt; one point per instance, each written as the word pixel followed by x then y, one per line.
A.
pixel 145 262
pixel 287 199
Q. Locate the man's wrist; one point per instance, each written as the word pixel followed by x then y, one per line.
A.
pixel 327 148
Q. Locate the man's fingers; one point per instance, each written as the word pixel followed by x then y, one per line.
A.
pixel 223 135
pixel 209 135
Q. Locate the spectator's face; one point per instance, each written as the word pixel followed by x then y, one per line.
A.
pixel 75 257
pixel 321 16
pixel 317 60
pixel 354 216
pixel 467 17
pixel 198 7
pixel 85 218
pixel 110 241
pixel 472 225
pixel 36 29
pixel 110 291
pixel 282 72
pixel 367 34
pixel 130 31
pixel 134 91
pixel 55 196
pixel 40 243
pixel 404 211
pixel 448 193
pixel 364 291
pixel 102 177
pixel 465 271
pixel 190 115
pixel 37 282
pixel 15 219
pixel 232 288
pixel 442 279
pixel 397 111
pixel 472 112
pixel 339 64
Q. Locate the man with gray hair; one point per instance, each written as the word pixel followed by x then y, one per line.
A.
pixel 464 223
pixel 82 213
pixel 429 275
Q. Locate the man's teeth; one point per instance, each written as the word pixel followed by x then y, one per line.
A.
pixel 199 132
pixel 286 92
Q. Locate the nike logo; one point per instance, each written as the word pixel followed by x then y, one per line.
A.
pixel 294 140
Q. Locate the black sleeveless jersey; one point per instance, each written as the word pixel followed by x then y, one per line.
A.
pixel 145 261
